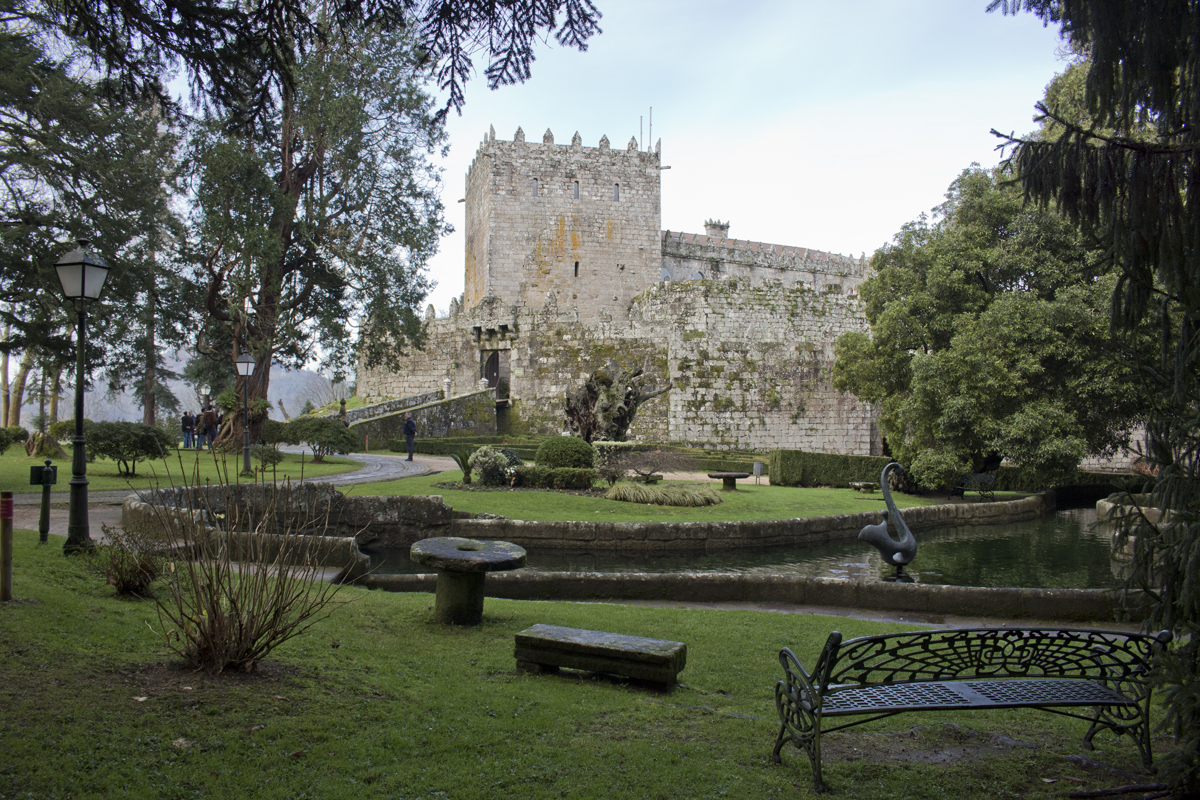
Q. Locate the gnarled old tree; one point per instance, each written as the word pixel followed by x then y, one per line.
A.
pixel 603 408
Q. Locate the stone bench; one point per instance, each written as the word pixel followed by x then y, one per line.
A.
pixel 729 479
pixel 866 487
pixel 545 648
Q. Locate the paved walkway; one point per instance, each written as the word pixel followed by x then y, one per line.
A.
pixel 104 508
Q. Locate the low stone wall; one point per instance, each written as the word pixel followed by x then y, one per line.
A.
pixel 675 537
pixel 1076 605
pixel 392 406
pixel 474 412
pixel 397 522
pixel 187 527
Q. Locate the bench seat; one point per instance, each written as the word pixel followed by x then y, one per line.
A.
pixel 966 695
pixel 548 647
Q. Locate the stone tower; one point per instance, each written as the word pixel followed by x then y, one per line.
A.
pixel 581 222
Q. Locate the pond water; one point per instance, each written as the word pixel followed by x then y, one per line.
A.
pixel 1057 551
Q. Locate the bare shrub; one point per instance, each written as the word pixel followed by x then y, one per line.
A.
pixel 244 589
pixel 132 559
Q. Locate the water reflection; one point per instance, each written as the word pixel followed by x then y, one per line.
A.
pixel 1056 551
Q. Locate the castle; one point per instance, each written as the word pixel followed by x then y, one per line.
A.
pixel 568 271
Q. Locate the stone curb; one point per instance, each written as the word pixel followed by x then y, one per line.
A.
pixel 1076 605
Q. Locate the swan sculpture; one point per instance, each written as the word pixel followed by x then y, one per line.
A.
pixel 893 552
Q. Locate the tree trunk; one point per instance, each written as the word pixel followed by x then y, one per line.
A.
pixel 55 391
pixel 4 396
pixel 231 437
pixel 18 390
pixel 151 358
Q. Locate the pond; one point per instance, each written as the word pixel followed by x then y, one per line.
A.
pixel 1057 551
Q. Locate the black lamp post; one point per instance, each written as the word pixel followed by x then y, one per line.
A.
pixel 82 275
pixel 245 368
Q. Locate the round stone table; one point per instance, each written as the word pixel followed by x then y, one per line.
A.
pixel 462 565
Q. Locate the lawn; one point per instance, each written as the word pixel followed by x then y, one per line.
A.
pixel 378 701
pixel 749 502
pixel 190 466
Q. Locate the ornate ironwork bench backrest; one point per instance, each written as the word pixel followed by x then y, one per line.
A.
pixel 1117 659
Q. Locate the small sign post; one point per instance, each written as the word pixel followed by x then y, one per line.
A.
pixel 45 477
pixel 6 546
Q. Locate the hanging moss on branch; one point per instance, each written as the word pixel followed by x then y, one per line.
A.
pixel 603 408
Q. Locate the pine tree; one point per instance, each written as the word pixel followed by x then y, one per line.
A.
pixel 1130 180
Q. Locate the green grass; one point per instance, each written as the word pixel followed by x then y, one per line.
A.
pixel 193 466
pixel 379 701
pixel 750 502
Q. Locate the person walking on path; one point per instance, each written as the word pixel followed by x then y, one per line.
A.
pixel 410 433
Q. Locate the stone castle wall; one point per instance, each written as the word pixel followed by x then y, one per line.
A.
pixel 751 365
pixel 582 222
pixel 567 272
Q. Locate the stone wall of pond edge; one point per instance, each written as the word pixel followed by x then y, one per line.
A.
pixel 674 537
pixel 325 552
pixel 1074 605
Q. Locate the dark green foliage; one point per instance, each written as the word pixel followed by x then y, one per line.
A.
pixel 565 451
pixel 6 440
pixel 325 436
pixel 510 453
pixel 18 434
pixel 561 478
pixel 1129 177
pixel 266 456
pixel 276 433
pixel 126 443
pixel 989 335
pixel 64 429
pixel 799 468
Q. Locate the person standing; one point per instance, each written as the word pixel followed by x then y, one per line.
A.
pixel 189 429
pixel 410 433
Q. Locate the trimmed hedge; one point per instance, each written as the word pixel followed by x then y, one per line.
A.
pixel 799 468
pixel 565 451
pixel 540 477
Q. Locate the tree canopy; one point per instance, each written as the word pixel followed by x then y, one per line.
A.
pixel 989 336
pixel 238 56
pixel 1129 179
pixel 323 218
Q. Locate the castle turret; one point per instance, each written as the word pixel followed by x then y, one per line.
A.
pixel 582 222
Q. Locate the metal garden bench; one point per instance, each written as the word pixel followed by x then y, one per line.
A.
pixel 1098 676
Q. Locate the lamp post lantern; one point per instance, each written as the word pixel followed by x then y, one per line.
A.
pixel 245 368
pixel 205 393
pixel 81 274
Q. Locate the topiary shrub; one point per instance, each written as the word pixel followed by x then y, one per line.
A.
pixel 563 478
pixel 565 451
pixel 491 465
pixel 324 435
pixel 126 443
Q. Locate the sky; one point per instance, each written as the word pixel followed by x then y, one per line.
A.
pixel 801 122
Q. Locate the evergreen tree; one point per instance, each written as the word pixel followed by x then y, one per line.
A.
pixel 323 218
pixel 1130 180
pixel 989 337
